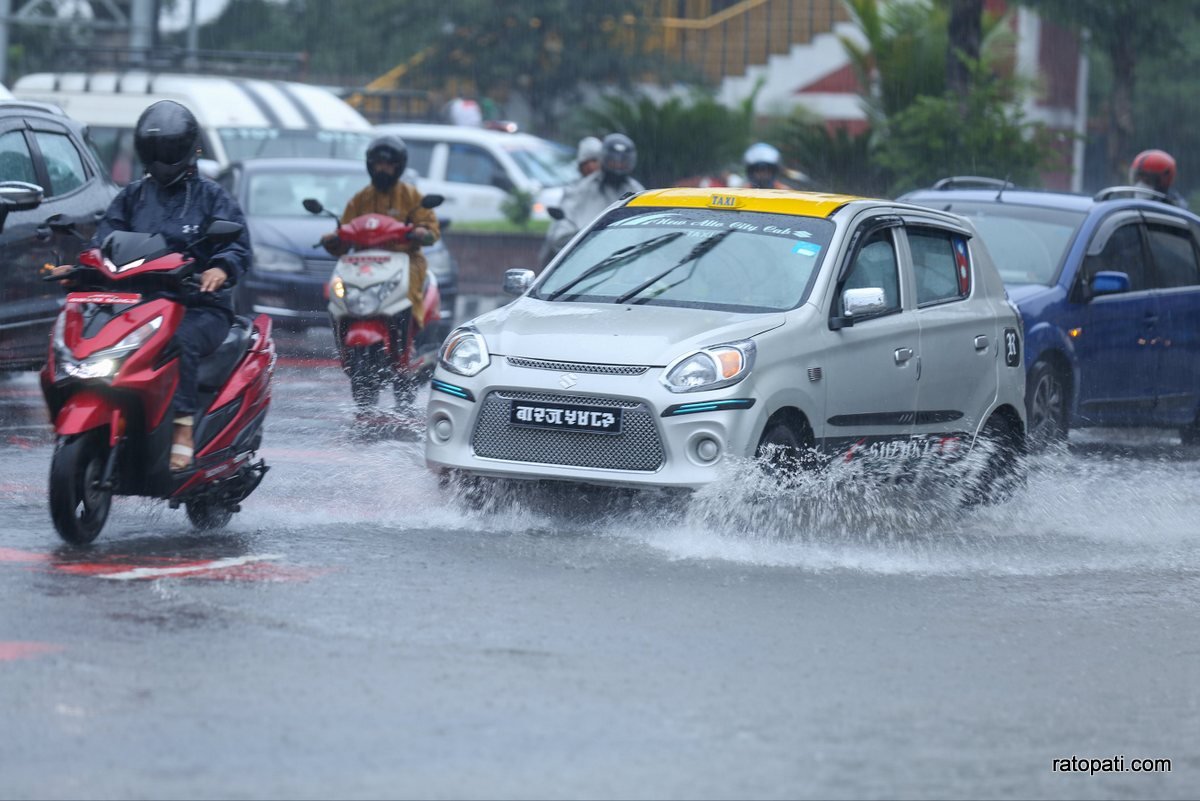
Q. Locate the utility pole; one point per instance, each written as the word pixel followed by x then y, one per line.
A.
pixel 142 23
pixel 193 37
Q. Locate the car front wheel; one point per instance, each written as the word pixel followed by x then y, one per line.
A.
pixel 1046 406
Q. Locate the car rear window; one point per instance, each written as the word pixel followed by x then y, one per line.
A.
pixel 1027 243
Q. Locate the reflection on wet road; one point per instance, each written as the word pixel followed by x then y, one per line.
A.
pixel 359 632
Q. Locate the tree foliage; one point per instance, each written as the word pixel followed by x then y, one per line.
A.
pixel 675 138
pixel 1127 32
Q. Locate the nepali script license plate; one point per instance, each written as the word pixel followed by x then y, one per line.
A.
pixel 561 417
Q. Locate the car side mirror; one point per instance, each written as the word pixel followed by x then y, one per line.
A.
pixel 858 303
pixel 223 232
pixel 503 182
pixel 1109 282
pixel 18 196
pixel 313 206
pixel 517 281
pixel 428 201
pixel 556 213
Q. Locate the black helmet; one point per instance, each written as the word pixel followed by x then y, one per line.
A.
pixel 165 141
pixel 387 148
pixel 619 155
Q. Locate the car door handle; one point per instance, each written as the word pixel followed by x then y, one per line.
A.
pixel 903 355
pixel 981 342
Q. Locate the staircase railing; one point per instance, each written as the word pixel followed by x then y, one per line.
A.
pixel 746 33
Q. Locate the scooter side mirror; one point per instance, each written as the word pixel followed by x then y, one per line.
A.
pixel 313 206
pixel 224 231
pixel 431 201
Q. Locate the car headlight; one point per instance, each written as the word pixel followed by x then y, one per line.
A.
pixel 105 363
pixel 274 260
pixel 711 368
pixel 464 352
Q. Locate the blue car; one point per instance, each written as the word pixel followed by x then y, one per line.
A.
pixel 1109 290
pixel 290 275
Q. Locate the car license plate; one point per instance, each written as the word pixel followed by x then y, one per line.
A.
pixel 565 417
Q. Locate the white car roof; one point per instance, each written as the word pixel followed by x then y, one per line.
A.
pixel 219 102
pixel 458 133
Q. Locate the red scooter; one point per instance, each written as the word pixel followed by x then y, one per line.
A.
pixel 111 376
pixel 377 337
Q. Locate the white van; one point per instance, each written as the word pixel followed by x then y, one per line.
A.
pixel 475 169
pixel 239 118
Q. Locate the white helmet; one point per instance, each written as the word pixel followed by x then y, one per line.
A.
pixel 761 153
pixel 590 149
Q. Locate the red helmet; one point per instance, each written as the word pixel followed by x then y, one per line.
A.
pixel 1155 168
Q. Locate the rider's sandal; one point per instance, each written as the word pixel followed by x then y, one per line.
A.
pixel 185 452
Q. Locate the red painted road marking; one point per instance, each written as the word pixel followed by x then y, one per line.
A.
pixel 13 555
pixel 24 650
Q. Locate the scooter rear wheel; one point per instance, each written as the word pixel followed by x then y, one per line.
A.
pixel 78 506
pixel 208 515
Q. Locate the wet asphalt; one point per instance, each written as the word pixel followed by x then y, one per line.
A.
pixel 359 632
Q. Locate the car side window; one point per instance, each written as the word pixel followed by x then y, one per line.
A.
pixel 1174 256
pixel 1123 253
pixel 940 265
pixel 419 155
pixel 875 265
pixel 469 164
pixel 63 163
pixel 16 163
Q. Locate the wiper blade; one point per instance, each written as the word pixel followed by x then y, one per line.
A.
pixel 699 250
pixel 615 258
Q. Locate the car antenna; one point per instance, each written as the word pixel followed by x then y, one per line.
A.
pixel 1003 186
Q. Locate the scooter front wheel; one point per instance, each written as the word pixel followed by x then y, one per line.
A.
pixel 78 504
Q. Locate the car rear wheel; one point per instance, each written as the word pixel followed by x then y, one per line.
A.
pixel 1191 434
pixel 1001 471
pixel 1046 406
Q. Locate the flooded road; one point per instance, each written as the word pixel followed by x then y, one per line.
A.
pixel 359 632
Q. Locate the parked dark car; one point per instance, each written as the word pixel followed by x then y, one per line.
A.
pixel 42 148
pixel 291 272
pixel 1109 290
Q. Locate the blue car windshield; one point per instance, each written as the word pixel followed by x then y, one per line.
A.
pixel 1028 243
pixel 700 258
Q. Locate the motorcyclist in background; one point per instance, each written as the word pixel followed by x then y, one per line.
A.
pixel 584 200
pixel 587 156
pixel 387 156
pixel 173 200
pixel 1155 169
pixel 762 166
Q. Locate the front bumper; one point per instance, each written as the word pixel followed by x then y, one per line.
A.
pixel 469 429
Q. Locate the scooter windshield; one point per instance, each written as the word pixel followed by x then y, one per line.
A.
pixel 125 247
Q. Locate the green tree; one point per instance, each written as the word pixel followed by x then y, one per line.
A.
pixel 547 50
pixel 1126 32
pixel 834 160
pixel 983 133
pixel 676 138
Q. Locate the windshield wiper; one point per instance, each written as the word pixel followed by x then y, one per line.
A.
pixel 617 257
pixel 699 250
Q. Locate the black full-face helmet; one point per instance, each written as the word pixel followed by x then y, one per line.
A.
pixel 389 149
pixel 165 140
pixel 619 156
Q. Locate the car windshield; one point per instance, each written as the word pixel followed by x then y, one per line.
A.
pixel 242 144
pixel 549 164
pixel 700 258
pixel 1027 243
pixel 281 193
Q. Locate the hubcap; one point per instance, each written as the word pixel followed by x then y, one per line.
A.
pixel 1047 404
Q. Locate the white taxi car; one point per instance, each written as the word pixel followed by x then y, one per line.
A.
pixel 686 327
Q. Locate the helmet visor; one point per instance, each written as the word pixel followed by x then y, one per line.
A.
pixel 166 148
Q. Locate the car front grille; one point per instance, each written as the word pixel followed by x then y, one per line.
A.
pixel 322 267
pixel 578 367
pixel 637 447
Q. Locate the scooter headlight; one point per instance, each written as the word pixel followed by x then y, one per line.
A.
pixel 464 352
pixel 337 287
pixel 711 368
pixel 105 363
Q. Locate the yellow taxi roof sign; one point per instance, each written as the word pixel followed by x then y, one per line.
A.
pixel 778 201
